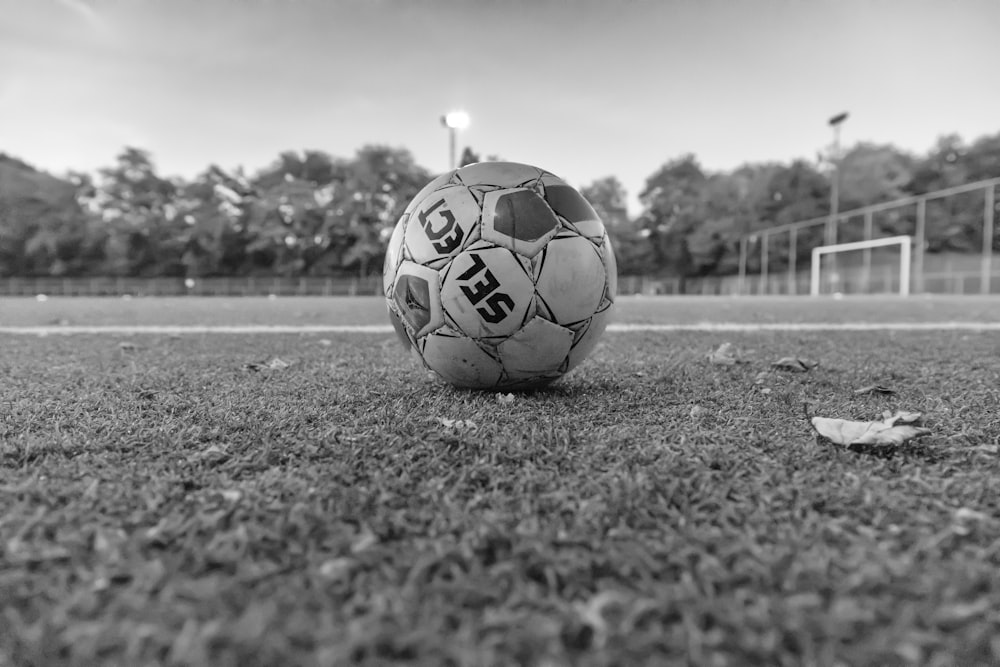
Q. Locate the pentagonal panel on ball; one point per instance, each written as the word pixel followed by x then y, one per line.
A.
pixel 537 349
pixel 501 174
pixel 572 279
pixel 441 224
pixel 393 256
pixel 415 293
pixel 573 207
pixel 486 292
pixel 518 219
pixel 460 361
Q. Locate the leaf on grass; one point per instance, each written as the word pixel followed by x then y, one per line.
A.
pixel 950 616
pixel 505 399
pixel 231 495
pixel 337 568
pixel 600 611
pixel 965 520
pixel 274 364
pixel 108 542
pixel 457 424
pixel 893 429
pixel 795 364
pixel 697 412
pixel 874 389
pixel 969 514
pixel 364 541
pixel 17 551
pixel 211 455
pixel 127 346
pixel 725 355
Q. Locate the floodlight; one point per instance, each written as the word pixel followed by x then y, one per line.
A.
pixel 838 119
pixel 456 120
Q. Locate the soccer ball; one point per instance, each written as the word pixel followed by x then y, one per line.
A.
pixel 499 275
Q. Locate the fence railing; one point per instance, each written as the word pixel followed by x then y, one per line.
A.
pixel 950 273
pixel 908 215
pixel 242 286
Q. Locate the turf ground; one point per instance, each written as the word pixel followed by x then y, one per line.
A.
pixel 162 502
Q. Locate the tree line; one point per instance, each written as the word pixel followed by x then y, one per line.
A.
pixel 312 214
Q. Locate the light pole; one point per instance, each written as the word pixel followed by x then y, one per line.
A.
pixel 454 121
pixel 831 228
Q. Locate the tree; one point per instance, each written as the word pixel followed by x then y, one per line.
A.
pixel 386 179
pixel 714 244
pixel 608 197
pixel 982 159
pixel 873 173
pixel 673 200
pixel 468 157
pixel 214 208
pixel 797 192
pixel 42 228
pixel 633 252
pixel 286 221
pixel 316 215
pixel 141 230
pixel 942 167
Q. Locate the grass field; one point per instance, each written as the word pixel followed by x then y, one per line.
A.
pixel 166 500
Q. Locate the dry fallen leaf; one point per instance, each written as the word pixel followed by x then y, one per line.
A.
pixel 725 355
pixel 795 364
pixel 212 455
pixel 892 430
pixel 337 568
pixel 601 611
pixel 874 389
pixel 965 520
pixel 275 364
pixel 505 399
pixel 366 539
pixel 231 495
pixel 457 424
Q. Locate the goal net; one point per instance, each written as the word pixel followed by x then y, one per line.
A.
pixel 862 267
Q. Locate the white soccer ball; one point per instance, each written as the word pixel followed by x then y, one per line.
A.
pixel 499 275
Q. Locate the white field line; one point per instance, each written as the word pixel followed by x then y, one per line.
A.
pixel 743 327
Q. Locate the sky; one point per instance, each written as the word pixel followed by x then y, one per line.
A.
pixel 582 88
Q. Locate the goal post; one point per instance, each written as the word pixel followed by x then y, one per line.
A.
pixel 905 243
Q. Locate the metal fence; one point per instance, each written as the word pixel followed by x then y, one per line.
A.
pixel 243 286
pixel 950 273
pixel 777 247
